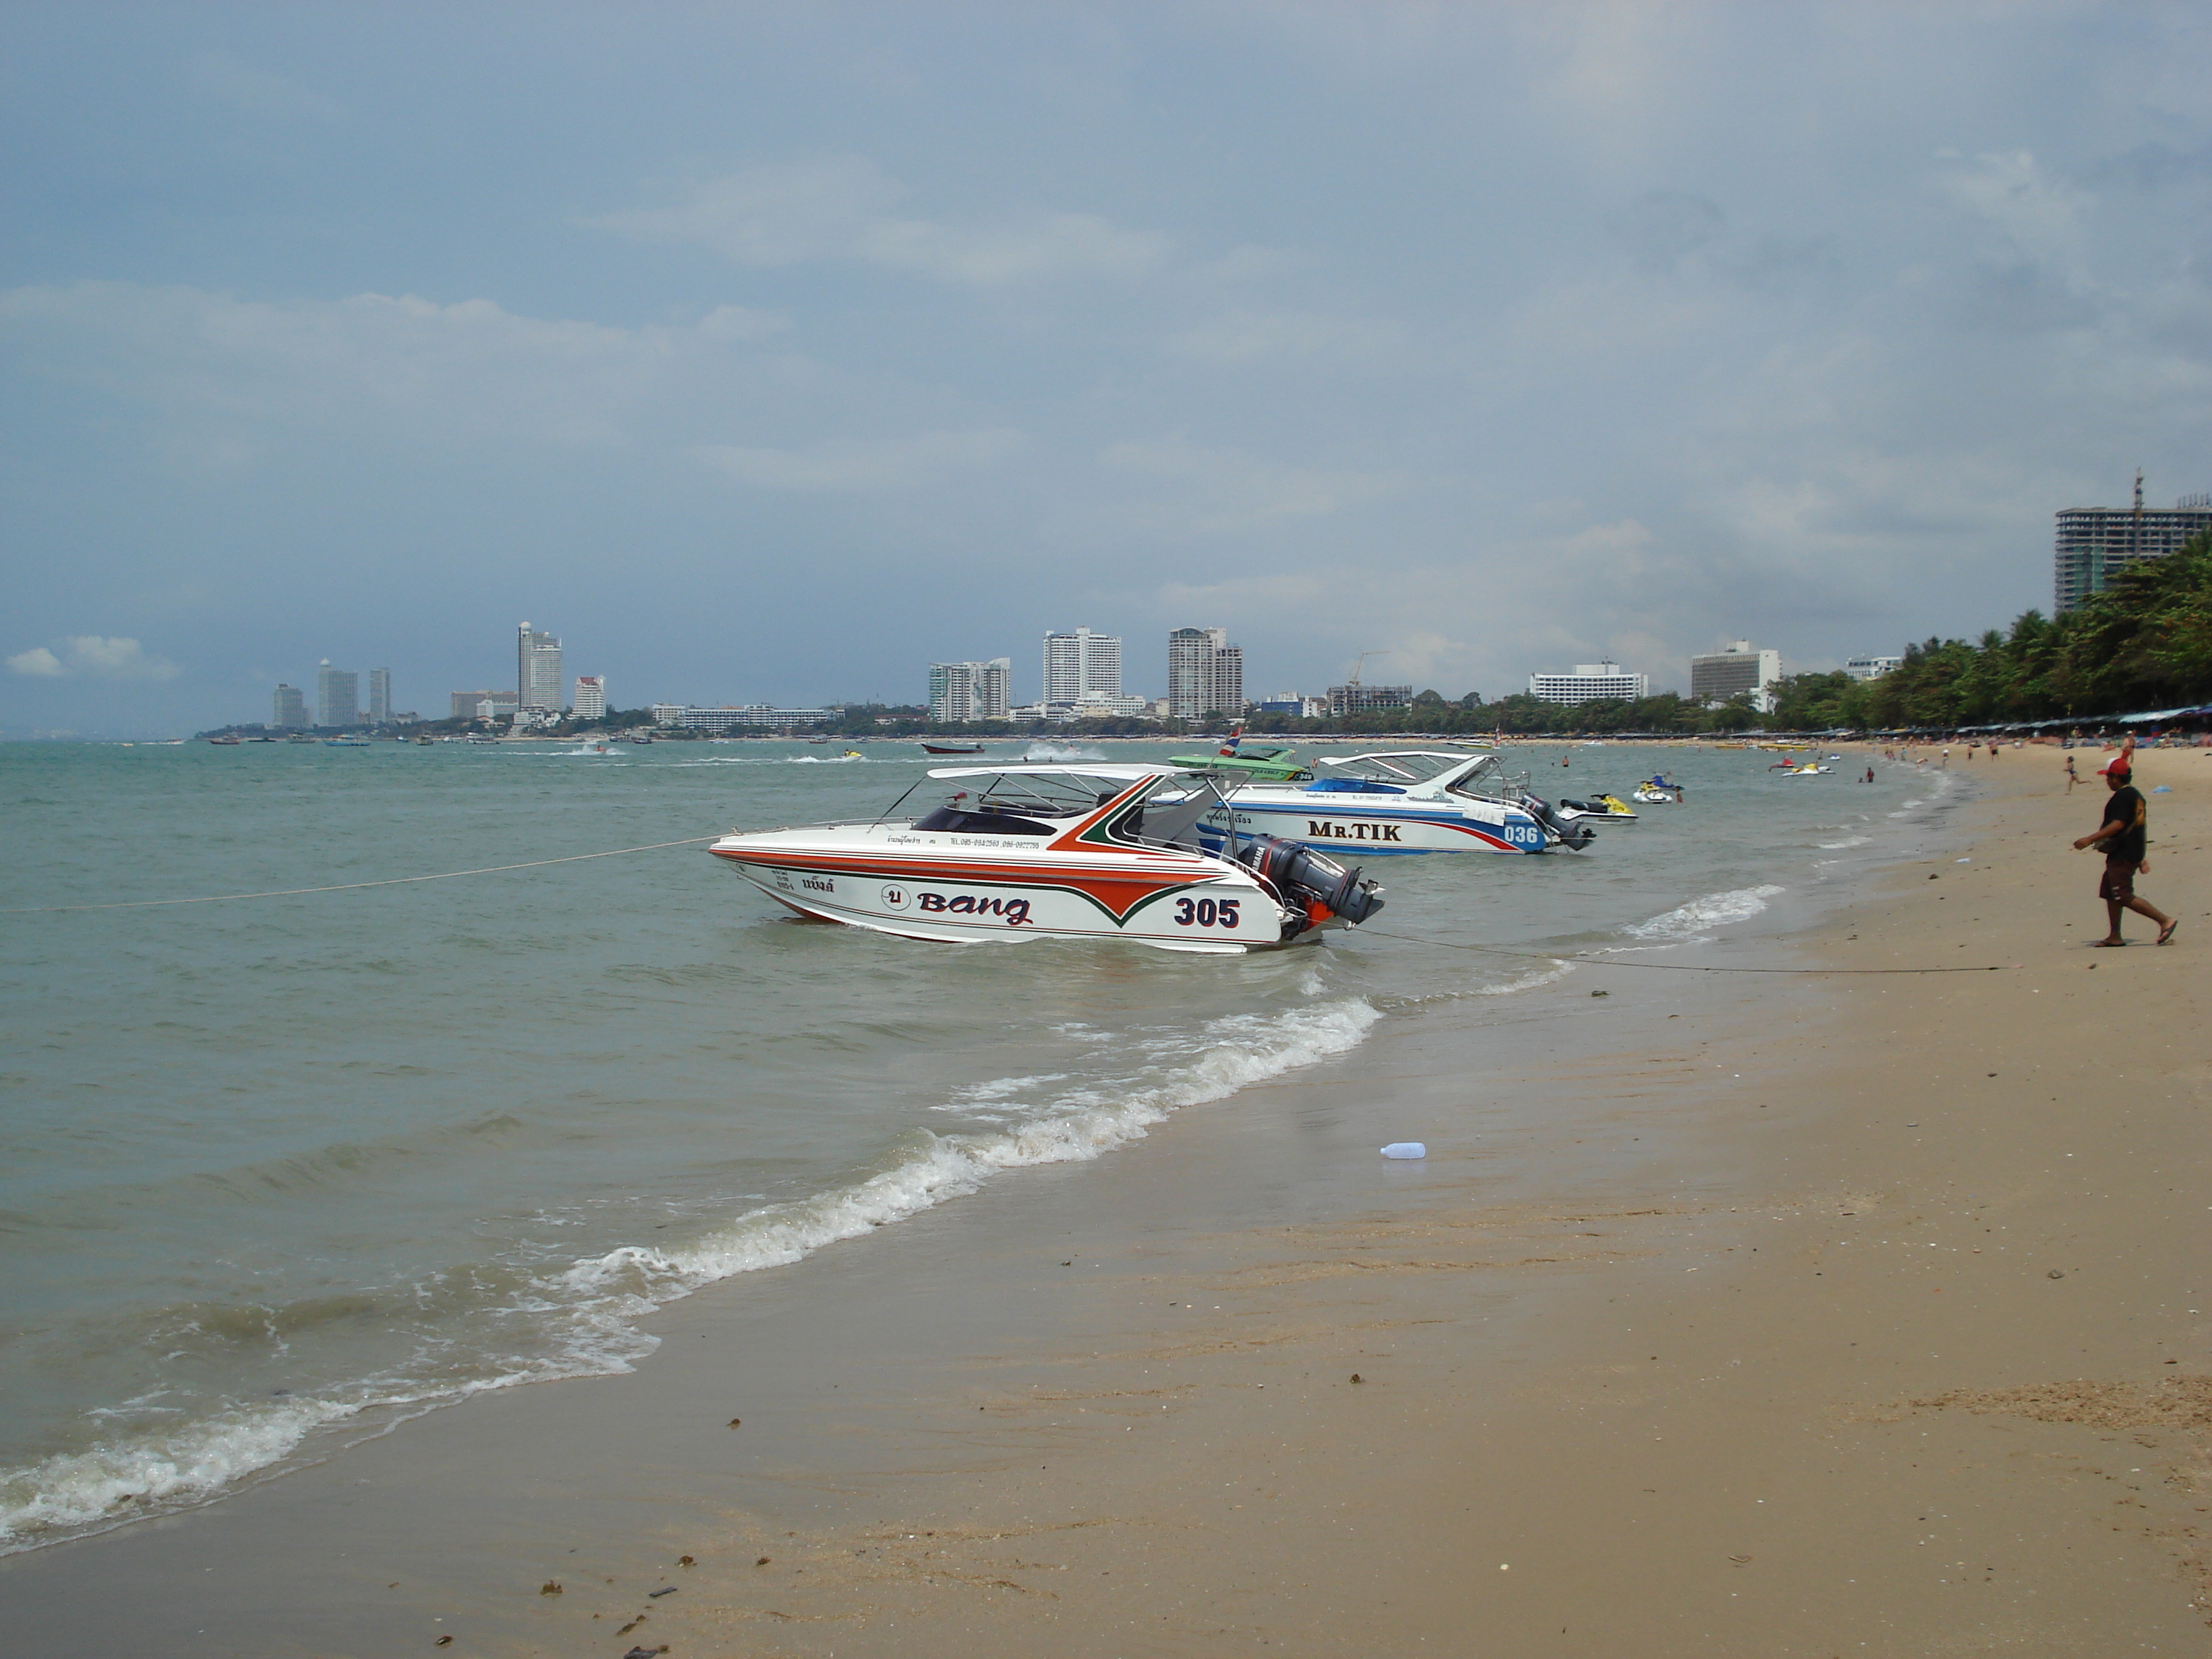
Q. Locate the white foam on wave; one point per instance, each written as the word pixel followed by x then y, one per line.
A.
pixel 1233 1054
pixel 1040 753
pixel 1935 780
pixel 773 760
pixel 1528 981
pixel 1688 921
pixel 74 1490
pixel 589 1309
pixel 998 1089
pixel 1848 840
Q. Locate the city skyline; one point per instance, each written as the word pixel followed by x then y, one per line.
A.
pixel 1494 337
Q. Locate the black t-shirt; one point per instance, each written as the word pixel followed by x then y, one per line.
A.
pixel 2125 806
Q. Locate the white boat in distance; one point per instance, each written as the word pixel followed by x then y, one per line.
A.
pixel 1056 851
pixel 1404 800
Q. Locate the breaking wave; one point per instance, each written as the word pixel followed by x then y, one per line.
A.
pixel 1688 921
pixel 581 1319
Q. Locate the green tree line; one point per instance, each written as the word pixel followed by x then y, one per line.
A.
pixel 2144 643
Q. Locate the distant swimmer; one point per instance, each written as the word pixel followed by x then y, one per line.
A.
pixel 2124 835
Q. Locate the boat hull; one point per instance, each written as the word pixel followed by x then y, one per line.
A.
pixel 959 890
pixel 1360 823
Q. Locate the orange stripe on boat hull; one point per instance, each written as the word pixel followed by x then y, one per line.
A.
pixel 1117 894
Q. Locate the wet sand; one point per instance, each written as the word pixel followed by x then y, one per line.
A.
pixel 1809 1315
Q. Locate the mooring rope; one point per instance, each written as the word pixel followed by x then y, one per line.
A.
pixel 1668 967
pixel 353 886
pixel 694 841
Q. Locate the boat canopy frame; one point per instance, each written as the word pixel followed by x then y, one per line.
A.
pixel 1456 775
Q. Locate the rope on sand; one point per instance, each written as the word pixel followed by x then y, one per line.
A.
pixel 353 886
pixel 1666 967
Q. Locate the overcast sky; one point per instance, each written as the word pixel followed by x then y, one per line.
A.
pixel 769 352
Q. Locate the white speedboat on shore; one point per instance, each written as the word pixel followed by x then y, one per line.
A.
pixel 1055 851
pixel 1404 800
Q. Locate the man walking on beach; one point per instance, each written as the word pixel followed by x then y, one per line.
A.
pixel 2123 836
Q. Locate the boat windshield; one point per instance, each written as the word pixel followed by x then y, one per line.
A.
pixel 1395 771
pixel 1026 803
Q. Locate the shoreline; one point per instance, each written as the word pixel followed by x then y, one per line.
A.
pixel 1489 1283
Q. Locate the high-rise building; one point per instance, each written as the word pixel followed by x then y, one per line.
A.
pixel 2097 543
pixel 1081 667
pixel 536 669
pixel 755 717
pixel 590 700
pixel 291 709
pixel 1205 673
pixel 483 705
pixel 379 696
pixel 1872 668
pixel 1734 669
pixel 1363 699
pixel 969 691
pixel 338 696
pixel 1589 682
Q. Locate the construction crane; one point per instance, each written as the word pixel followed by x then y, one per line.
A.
pixel 1352 684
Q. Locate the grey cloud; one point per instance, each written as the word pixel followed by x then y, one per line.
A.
pixel 1781 265
pixel 2026 298
pixel 223 78
pixel 846 465
pixel 229 372
pixel 787 214
pixel 95 658
pixel 1255 335
pixel 1217 491
pixel 1665 228
pixel 2152 165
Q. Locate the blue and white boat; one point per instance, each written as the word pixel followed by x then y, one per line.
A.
pixel 1404 800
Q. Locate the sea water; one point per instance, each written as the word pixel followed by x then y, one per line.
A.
pixel 283 1171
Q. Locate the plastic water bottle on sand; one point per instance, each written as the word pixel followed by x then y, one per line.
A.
pixel 1406 1149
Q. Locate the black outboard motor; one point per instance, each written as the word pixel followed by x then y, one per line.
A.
pixel 1306 877
pixel 1574 836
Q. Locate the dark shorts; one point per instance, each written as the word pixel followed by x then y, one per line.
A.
pixel 2119 882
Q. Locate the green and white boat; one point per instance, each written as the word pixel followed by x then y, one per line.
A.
pixel 1257 765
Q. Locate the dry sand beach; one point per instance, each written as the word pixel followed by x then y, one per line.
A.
pixel 1834 1313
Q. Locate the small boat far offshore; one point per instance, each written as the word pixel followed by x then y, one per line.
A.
pixel 951 749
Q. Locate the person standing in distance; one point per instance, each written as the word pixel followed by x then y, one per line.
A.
pixel 2126 845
